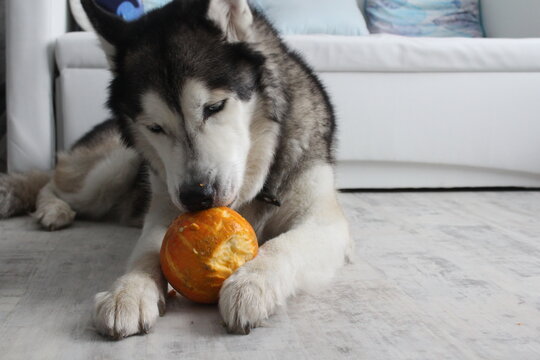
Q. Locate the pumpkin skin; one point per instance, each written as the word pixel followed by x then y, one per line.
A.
pixel 202 249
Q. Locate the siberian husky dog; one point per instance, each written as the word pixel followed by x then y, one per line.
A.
pixel 210 108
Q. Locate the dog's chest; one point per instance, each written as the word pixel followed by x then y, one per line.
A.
pixel 259 215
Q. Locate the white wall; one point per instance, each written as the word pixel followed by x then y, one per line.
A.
pixel 511 18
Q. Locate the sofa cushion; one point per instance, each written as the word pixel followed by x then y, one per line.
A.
pixel 337 17
pixel 384 53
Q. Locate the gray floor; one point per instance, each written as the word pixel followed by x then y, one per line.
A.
pixel 438 276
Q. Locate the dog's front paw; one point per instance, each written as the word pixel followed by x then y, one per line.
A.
pixel 131 307
pixel 248 297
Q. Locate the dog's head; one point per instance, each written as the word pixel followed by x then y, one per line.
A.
pixel 184 86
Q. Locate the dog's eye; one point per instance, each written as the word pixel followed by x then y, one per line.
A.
pixel 214 108
pixel 155 128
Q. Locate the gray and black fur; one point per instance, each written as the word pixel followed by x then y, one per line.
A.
pixel 158 50
pixel 178 40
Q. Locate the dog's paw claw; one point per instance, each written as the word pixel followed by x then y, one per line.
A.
pixel 162 306
pixel 237 330
pixel 145 328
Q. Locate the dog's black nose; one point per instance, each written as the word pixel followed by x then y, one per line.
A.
pixel 196 197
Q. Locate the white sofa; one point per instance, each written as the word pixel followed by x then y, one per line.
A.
pixel 412 112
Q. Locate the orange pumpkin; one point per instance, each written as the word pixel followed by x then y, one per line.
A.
pixel 202 249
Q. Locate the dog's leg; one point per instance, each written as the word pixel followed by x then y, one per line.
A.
pixel 52 212
pixel 304 257
pixel 18 192
pixel 106 181
pixel 137 298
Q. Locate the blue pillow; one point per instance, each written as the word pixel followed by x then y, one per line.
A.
pixel 127 9
pixel 436 18
pixel 131 10
pixel 336 17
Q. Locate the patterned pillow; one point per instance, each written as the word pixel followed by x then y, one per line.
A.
pixel 436 18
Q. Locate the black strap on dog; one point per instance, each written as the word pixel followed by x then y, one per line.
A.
pixel 267 197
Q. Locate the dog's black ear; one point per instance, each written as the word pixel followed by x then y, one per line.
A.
pixel 110 27
pixel 233 17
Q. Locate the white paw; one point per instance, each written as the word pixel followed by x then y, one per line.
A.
pixel 56 215
pixel 350 253
pixel 248 297
pixel 131 307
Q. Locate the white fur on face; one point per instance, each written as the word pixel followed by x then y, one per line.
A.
pixel 195 150
pixel 163 152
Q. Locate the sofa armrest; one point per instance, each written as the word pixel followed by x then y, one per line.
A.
pixel 31 29
pixel 511 18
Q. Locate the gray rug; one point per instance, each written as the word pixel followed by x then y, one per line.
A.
pixel 437 276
